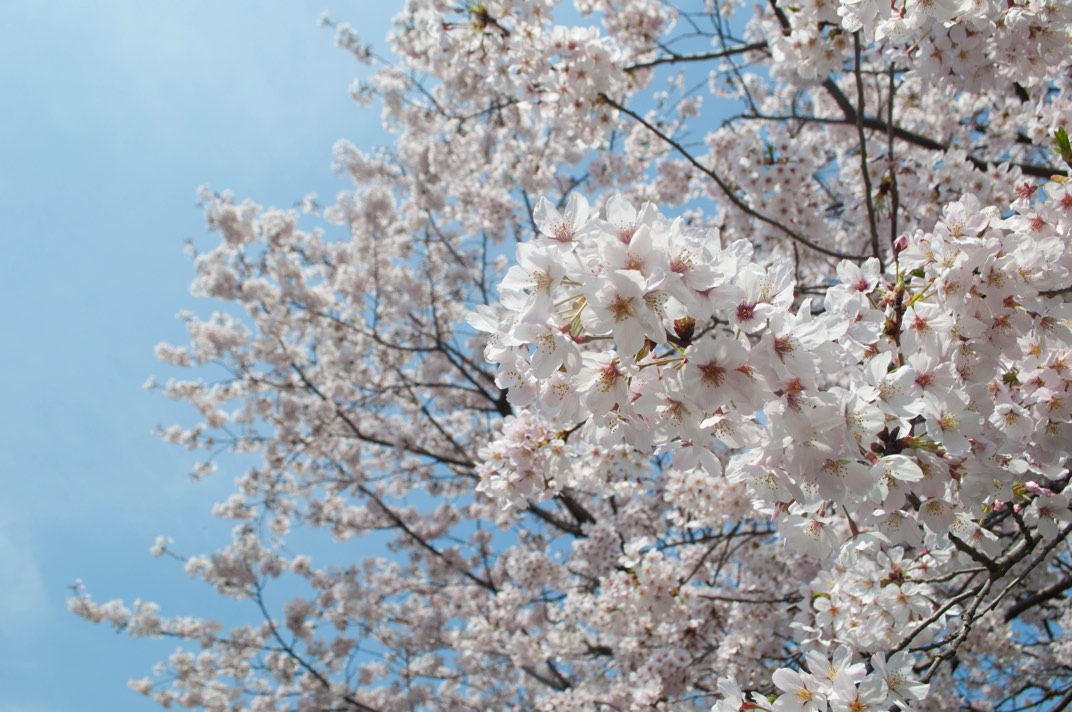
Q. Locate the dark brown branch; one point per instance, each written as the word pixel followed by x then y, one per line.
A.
pixel 947 605
pixel 869 199
pixel 1039 597
pixel 1064 702
pixel 361 435
pixel 726 189
pixel 421 541
pixel 977 556
pixel 435 422
pixel 582 515
pixel 916 139
pixel 1026 546
pixel 790 598
pixel 701 57
pixel 324 682
pixel 895 197
pixel 553 684
pixel 849 111
pixel 567 527
pixel 967 620
pixel 1056 292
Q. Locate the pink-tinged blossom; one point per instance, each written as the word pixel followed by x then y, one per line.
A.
pixel 617 305
pixel 890 475
pixel 650 460
pixel 559 397
pixel 602 381
pixel 800 692
pixel 623 220
pixel 699 270
pixel 934 375
pixel 640 255
pixel 735 430
pixel 963 219
pixel 810 532
pixel 869 695
pixel 734 700
pixel 1049 513
pixel 937 515
pixel 892 387
pixel 839 667
pixel 765 290
pixel 552 349
pixel 521 465
pixel 838 477
pixel 811 431
pixel 515 376
pixel 896 671
pixel 860 278
pixel 855 323
pixel 863 420
pixel 950 423
pixel 669 409
pixel 900 528
pixel 796 344
pixel 925 327
pixel 536 276
pixel 716 373
pixel 562 227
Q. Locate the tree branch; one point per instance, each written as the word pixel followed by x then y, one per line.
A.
pixel 701 57
pixel 744 207
pixel 866 172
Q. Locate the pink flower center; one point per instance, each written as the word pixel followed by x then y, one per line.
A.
pixel 745 312
pixel 622 308
pixel 712 374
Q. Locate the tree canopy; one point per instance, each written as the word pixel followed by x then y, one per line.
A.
pixel 688 355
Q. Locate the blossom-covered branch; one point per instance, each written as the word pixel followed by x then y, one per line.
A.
pixel 679 356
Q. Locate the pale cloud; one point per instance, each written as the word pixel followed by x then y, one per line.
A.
pixel 22 595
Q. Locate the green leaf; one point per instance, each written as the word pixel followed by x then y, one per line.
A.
pixel 1062 145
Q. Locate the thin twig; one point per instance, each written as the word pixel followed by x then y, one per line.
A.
pixel 702 57
pixel 872 224
pixel 895 197
pixel 733 197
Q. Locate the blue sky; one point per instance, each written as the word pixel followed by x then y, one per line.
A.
pixel 113 114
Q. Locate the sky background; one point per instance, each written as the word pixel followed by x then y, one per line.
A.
pixel 113 114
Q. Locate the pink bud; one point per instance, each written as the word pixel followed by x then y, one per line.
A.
pixel 1035 488
pixel 900 245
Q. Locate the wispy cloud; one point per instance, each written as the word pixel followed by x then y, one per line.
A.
pixel 22 595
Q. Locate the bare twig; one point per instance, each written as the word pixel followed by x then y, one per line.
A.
pixel 727 190
pixel 872 224
pixel 701 57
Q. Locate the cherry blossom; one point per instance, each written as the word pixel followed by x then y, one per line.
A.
pixel 678 355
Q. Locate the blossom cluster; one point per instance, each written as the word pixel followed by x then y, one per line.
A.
pixel 973 43
pixel 810 438
pixel 530 462
pixel 902 411
pixel 643 331
pixel 838 681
